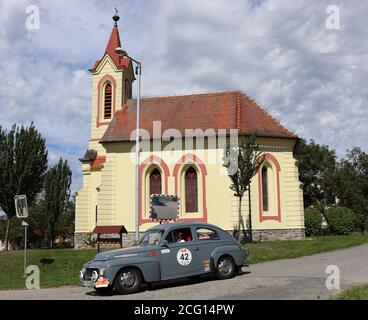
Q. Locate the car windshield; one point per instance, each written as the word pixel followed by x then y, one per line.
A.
pixel 151 237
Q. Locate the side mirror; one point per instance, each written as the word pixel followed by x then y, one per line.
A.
pixel 164 243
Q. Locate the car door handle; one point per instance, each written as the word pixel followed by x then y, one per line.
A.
pixel 196 249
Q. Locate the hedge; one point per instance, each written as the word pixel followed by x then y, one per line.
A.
pixel 341 220
pixel 313 222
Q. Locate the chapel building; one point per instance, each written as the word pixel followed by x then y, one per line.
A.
pixel 182 154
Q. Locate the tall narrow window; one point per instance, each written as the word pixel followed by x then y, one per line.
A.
pixel 108 101
pixel 155 182
pixel 191 190
pixel 128 91
pixel 264 188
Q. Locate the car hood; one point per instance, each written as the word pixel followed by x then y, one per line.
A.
pixel 121 253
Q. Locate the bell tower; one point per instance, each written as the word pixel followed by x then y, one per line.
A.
pixel 113 78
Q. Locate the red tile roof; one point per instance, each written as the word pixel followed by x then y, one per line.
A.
pixel 224 110
pixel 98 162
pixel 113 43
pixel 110 229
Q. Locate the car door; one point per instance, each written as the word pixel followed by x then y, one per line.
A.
pixel 207 239
pixel 179 258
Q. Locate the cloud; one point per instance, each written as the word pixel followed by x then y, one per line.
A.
pixel 280 53
pixel 277 51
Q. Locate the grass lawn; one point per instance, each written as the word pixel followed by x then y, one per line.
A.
pixel 273 250
pixel 60 267
pixel 354 293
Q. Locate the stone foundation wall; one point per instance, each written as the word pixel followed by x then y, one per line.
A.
pixel 258 235
pixel 81 237
pixel 278 234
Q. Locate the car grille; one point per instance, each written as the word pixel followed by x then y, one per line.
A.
pixel 88 274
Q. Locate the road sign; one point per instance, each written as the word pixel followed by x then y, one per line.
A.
pixel 164 207
pixel 21 206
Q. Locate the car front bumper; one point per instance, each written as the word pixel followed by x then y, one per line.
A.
pixel 91 278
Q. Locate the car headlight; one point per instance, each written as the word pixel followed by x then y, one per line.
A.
pixel 94 276
pixel 101 271
pixel 82 273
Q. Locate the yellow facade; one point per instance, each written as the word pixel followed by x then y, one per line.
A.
pixel 116 185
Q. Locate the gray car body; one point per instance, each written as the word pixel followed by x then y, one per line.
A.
pixel 157 262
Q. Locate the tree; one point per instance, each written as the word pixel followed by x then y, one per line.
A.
pixel 245 155
pixel 66 222
pixel 352 185
pixel 23 163
pixel 57 193
pixel 16 232
pixel 38 221
pixel 317 166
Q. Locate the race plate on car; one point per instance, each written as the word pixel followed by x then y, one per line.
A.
pixel 184 257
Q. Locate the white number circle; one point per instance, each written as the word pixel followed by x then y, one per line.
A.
pixel 184 257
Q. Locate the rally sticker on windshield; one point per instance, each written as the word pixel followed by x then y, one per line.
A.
pixel 184 257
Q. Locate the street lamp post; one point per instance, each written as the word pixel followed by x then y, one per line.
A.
pixel 138 72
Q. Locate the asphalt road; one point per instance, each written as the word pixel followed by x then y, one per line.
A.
pixel 301 278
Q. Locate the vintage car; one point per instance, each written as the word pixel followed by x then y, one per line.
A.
pixel 165 252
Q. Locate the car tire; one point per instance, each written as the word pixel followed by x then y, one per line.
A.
pixel 225 268
pixel 128 281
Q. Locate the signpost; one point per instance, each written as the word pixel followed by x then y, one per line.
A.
pixel 25 225
pixel 21 209
pixel 21 206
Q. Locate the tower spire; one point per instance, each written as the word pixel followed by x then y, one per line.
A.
pixel 114 41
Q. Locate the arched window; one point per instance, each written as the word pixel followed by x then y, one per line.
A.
pixel 191 190
pixel 108 101
pixel 155 182
pixel 264 188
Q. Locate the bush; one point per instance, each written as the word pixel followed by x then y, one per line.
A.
pixel 341 220
pixel 313 222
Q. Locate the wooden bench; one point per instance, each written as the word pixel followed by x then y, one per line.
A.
pixel 104 230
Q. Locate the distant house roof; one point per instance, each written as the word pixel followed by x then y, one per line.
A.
pixel 223 110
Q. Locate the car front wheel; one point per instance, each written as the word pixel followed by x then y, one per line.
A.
pixel 226 268
pixel 128 281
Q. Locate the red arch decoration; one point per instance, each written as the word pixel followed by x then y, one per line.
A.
pixel 99 105
pixel 162 164
pixel 193 159
pixel 270 158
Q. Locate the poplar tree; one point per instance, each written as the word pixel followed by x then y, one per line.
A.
pixel 57 193
pixel 23 164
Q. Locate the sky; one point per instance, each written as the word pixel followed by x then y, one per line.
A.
pixel 284 54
